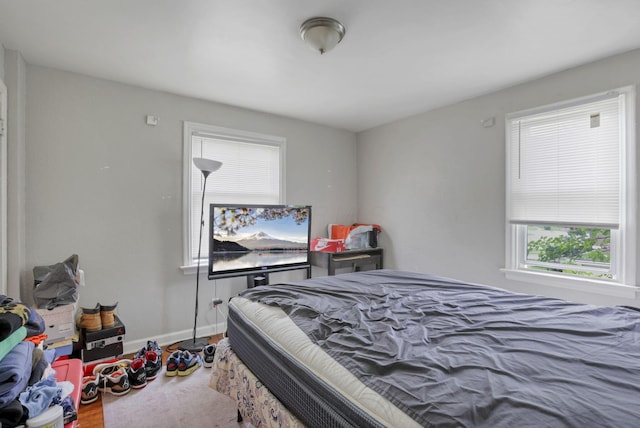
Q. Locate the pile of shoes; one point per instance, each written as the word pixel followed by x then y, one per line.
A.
pixel 119 377
pixel 182 363
pixel 151 357
pixel 97 318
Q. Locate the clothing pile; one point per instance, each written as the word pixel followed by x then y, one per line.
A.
pixel 27 382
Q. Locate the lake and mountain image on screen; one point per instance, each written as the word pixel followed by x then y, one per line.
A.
pixel 259 237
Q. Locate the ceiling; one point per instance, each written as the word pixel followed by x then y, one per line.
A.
pixel 398 58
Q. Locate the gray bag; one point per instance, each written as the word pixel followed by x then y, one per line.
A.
pixel 56 285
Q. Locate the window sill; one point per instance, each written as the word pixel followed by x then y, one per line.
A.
pixel 192 269
pixel 578 284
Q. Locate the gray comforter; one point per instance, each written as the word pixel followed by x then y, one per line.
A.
pixel 464 355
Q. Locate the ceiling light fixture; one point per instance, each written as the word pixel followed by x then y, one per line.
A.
pixel 322 34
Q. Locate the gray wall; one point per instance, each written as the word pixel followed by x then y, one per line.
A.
pixel 15 79
pixel 88 176
pixel 1 62
pixel 103 184
pixel 436 181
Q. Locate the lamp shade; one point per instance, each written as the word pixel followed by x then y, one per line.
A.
pixel 322 34
pixel 207 166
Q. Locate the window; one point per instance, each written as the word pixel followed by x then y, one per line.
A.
pixel 252 172
pixel 570 191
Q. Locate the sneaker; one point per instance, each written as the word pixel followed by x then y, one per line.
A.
pixel 172 363
pixel 104 369
pixel 113 377
pixel 189 363
pixel 153 364
pixel 208 352
pixel 137 373
pixel 152 355
pixel 89 389
pixel 116 382
pixel 152 345
pixel 69 412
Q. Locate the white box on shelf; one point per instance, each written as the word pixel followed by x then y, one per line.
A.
pixel 59 322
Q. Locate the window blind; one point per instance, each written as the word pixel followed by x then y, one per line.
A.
pixel 565 165
pixel 250 174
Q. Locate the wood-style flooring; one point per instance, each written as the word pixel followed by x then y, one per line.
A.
pixel 90 415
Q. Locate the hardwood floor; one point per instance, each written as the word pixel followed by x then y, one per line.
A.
pixel 90 415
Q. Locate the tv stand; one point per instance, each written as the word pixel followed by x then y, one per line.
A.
pixel 257 279
pixel 262 278
pixel 352 259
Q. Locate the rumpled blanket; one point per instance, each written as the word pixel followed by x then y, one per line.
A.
pixel 15 371
pixel 450 353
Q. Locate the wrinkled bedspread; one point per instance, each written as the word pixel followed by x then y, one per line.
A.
pixel 450 353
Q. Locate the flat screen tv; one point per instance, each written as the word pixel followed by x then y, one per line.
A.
pixel 256 239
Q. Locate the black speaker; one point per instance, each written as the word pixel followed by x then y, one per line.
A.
pixel 373 238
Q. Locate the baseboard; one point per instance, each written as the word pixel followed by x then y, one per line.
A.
pixel 131 347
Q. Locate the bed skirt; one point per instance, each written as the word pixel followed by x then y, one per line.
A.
pixel 256 404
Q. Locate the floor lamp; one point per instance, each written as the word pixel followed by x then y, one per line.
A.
pixel 207 166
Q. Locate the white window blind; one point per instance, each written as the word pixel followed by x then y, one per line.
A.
pixel 251 173
pixel 565 164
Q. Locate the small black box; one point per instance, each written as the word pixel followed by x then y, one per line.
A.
pixel 109 351
pixel 105 343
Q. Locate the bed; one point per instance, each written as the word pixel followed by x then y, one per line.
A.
pixel 393 348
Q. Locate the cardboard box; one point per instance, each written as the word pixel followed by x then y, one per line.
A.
pixel 59 323
pixel 105 343
pixel 327 245
pixel 62 347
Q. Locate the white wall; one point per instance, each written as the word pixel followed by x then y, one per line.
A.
pixel 103 184
pixel 436 181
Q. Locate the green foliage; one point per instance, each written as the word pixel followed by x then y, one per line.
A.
pixel 577 244
pixel 232 219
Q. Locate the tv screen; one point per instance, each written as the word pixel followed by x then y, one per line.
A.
pixel 250 239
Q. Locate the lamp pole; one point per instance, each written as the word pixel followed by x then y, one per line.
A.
pixel 206 166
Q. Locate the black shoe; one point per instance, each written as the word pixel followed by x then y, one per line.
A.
pixel 137 373
pixel 208 353
pixel 153 364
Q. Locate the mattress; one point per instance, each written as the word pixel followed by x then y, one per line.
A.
pixel 400 349
pixel 315 387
